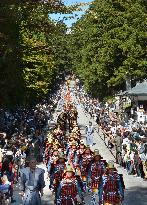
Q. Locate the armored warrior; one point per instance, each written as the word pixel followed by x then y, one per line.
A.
pixel 84 161
pixel 76 133
pixel 80 151
pixel 58 134
pixel 71 153
pixel 69 142
pixel 52 162
pixel 96 169
pixel 62 119
pixel 73 116
pixel 68 97
pixel 48 151
pixel 111 188
pixel 74 128
pixel 69 191
pixel 57 170
pixel 32 183
pixel 57 145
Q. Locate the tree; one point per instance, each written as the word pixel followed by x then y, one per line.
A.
pixel 110 40
pixel 11 81
pixel 28 55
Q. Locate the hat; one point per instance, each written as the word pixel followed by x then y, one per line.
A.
pixel 56 142
pixel 69 168
pixel 23 148
pixel 61 155
pixel 88 147
pixel 96 152
pixel 55 150
pixel 71 136
pixel 30 158
pixel 110 164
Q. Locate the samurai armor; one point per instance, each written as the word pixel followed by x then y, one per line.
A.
pixel 111 194
pixel 68 193
pixel 97 169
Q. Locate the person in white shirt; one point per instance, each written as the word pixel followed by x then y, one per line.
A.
pixel 32 183
pixel 113 130
pixel 89 134
pixel 126 141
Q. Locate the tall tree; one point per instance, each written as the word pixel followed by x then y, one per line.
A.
pixel 110 42
pixel 11 82
pixel 28 50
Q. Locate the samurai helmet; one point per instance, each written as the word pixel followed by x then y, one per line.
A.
pixel 96 152
pixel 23 148
pixel 110 164
pixel 56 142
pixel 88 147
pixel 69 168
pixel 61 155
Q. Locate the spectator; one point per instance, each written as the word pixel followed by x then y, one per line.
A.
pixel 137 163
pixel 143 157
pixel 129 138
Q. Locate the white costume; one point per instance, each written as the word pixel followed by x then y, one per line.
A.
pixel 31 183
pixel 89 135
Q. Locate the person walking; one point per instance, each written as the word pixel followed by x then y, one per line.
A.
pixel 143 157
pixel 32 183
pixel 69 191
pixel 89 134
pixel 96 169
pixel 111 189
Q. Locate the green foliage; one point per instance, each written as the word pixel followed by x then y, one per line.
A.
pixel 11 82
pixel 109 41
pixel 37 58
pixel 31 50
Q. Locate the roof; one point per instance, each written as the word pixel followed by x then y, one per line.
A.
pixel 140 89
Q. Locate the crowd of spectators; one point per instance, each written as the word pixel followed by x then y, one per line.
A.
pixel 22 133
pixel 126 140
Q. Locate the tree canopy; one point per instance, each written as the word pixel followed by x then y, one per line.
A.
pixel 105 46
pixel 30 50
pixel 109 43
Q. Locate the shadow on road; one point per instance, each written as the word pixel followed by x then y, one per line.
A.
pixel 136 194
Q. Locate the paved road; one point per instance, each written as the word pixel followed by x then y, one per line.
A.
pixel 136 188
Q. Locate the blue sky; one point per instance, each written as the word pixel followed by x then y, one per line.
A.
pixel 69 22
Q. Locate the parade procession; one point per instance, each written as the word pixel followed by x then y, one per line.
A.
pixel 73 102
pixel 64 160
pixel 74 170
